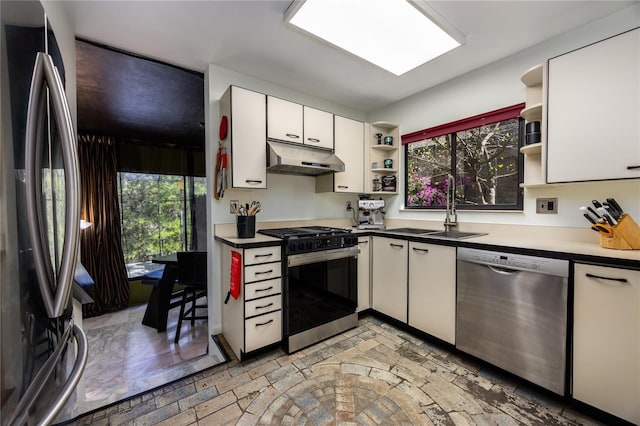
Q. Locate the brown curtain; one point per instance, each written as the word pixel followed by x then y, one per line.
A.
pixel 100 244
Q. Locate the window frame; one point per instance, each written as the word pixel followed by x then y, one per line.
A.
pixel 452 129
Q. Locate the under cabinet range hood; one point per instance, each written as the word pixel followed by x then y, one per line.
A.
pixel 296 159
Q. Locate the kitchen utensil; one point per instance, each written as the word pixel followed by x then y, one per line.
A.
pixel 377 185
pixel 389 183
pixel 613 203
pixel 533 127
pixel 612 211
pixel 603 229
pixel 533 138
pixel 589 218
pixel 607 217
pixel 246 226
pixel 595 213
pixel 595 218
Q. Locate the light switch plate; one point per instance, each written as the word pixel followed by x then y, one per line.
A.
pixel 547 205
pixel 233 206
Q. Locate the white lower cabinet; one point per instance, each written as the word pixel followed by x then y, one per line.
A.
pixel 389 277
pixel 432 290
pixel 606 340
pixel 254 320
pixel 364 274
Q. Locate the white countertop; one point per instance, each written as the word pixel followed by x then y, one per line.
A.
pixel 577 241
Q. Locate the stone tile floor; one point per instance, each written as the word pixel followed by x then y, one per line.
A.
pixel 373 374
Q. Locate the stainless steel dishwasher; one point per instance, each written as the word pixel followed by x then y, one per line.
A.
pixel 511 311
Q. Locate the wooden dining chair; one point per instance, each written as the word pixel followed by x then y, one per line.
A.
pixel 192 275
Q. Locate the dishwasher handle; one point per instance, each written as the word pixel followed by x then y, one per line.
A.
pixel 503 271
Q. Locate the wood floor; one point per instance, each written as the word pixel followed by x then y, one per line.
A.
pixel 127 358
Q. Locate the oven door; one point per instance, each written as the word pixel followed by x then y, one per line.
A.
pixel 320 287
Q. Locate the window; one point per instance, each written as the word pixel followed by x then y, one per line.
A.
pixel 482 153
pixel 157 213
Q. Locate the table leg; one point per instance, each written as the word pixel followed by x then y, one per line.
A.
pixel 158 307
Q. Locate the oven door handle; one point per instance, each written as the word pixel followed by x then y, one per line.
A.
pixel 321 256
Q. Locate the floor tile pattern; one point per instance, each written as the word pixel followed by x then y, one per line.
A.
pixel 374 374
pixel 127 357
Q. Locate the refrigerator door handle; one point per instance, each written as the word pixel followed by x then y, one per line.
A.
pixel 74 377
pixel 37 385
pixel 55 295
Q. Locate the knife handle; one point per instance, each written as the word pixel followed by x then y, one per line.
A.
pixel 613 203
pixel 589 218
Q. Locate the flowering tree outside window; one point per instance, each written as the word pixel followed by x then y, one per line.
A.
pixel 484 161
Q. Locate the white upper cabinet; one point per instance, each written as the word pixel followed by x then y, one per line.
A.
pixel 284 120
pixel 318 128
pixel 246 113
pixel 291 122
pixel 594 111
pixel 349 143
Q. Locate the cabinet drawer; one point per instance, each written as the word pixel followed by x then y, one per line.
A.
pixel 261 255
pixel 263 288
pixel 263 330
pixel 261 306
pixel 262 272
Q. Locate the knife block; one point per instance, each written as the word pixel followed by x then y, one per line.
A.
pixel 626 235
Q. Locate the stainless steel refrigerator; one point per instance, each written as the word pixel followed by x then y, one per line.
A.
pixel 43 352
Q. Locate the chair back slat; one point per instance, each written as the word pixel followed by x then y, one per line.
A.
pixel 192 267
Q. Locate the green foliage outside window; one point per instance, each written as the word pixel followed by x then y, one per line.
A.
pixel 484 161
pixel 156 214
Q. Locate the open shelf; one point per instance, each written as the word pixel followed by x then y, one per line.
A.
pixel 384 147
pixel 532 113
pixel 532 76
pixel 532 149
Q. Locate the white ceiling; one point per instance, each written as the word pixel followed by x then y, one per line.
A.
pixel 251 38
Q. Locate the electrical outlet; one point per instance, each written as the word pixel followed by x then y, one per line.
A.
pixel 547 205
pixel 349 206
pixel 233 206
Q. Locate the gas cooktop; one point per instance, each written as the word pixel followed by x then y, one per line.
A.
pixel 303 231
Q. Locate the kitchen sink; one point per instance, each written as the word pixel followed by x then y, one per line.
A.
pixel 456 235
pixel 412 231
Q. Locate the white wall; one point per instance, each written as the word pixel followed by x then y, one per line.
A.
pixel 498 85
pixel 286 197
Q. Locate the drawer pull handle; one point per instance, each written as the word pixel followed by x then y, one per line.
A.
pixel 313 140
pixel 264 289
pixel 343 186
pixel 265 306
pixel 264 255
pixel 256 181
pixel 396 245
pixel 264 323
pixel 292 136
pixel 363 242
pixel 420 250
pixel 620 280
pixel 264 272
pixel 633 167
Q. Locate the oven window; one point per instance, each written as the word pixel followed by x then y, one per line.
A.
pixel 319 293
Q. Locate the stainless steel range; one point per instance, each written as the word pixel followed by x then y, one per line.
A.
pixel 320 283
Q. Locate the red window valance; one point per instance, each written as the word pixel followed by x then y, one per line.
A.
pixel 464 124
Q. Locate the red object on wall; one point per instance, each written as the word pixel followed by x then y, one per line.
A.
pixel 235 275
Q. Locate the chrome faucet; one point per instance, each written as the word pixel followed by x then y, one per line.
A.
pixel 451 217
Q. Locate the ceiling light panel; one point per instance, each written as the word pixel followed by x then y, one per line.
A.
pixel 393 34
